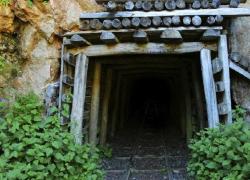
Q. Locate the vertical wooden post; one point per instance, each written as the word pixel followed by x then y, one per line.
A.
pixel 116 106
pixel 209 88
pixel 95 103
pixel 79 97
pixel 198 96
pixel 105 109
pixel 223 56
pixel 187 100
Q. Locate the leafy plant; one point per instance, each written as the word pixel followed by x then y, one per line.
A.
pixel 35 147
pixel 223 152
pixel 4 2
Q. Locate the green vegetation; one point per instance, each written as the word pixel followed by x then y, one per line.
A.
pixel 7 2
pixel 223 152
pixel 35 147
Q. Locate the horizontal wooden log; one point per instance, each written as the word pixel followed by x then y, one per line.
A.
pixel 211 35
pixel 205 4
pixel 140 37
pixel 187 20
pixel 159 5
pixel 176 20
pixel 219 86
pixel 235 57
pixel 228 12
pixel 239 70
pixel 129 5
pixel 149 48
pixel 210 20
pixel 156 21
pixel 145 22
pixel 180 4
pixel 66 41
pixel 84 24
pixel 126 23
pixel 108 38
pixel 216 65
pixel 196 4
pixel 135 22
pixel 171 36
pixel 167 21
pixel 234 3
pixel 170 5
pixel 68 80
pixel 77 40
pixel 196 21
pixel 107 24
pixel 69 58
pixel 219 19
pixel 95 24
pixel 138 5
pixel 116 23
pixel 111 6
pixel 147 5
pixel 215 4
pixel 222 109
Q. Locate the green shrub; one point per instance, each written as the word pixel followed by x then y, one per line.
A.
pixel 223 152
pixel 34 147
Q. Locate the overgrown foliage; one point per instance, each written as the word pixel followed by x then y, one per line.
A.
pixel 34 147
pixel 223 152
pixel 7 2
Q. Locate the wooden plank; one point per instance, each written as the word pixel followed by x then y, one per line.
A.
pixel 105 109
pixel 149 48
pixel 171 36
pixel 61 82
pixel 216 65
pixel 240 70
pixel 230 12
pixel 223 56
pixel 219 86
pixel 77 40
pixel 211 35
pixel 209 88
pixel 148 30
pixel 66 79
pixel 140 36
pixel 79 97
pixel 95 103
pixel 108 38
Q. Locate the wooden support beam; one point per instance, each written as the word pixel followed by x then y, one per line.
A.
pixel 229 12
pixel 180 4
pixel 79 97
pixel 77 40
pixel 235 57
pixel 171 36
pixel 209 88
pixel 126 22
pixel 108 38
pixel 196 21
pixel 111 6
pixel 159 5
pixel 68 80
pixel 196 4
pixel 105 107
pixel 205 4
pixel 140 37
pixel 225 76
pixel 69 58
pixel 216 65
pixel 170 5
pixel 107 24
pixel 223 108
pixel 219 86
pixel 211 35
pixel 240 70
pixel 129 5
pixel 95 24
pixel 95 103
pixel 147 5
pixel 149 48
pixel 187 20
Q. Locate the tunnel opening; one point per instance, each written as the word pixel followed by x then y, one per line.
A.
pixel 148 110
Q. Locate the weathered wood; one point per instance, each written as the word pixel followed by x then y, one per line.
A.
pixel 215 4
pixel 180 4
pixel 138 5
pixel 147 5
pixel 69 58
pixel 68 80
pixel 235 57
pixel 205 4
pixel 223 109
pixel 84 24
pixel 105 107
pixel 145 22
pixel 234 3
pixel 111 6
pixel 61 86
pixel 167 21
pixel 196 20
pixel 140 37
pixel 219 86
pixel 66 42
pixel 156 21
pixel 77 40
pixel 149 48
pixel 187 20
pixel 216 65
pixel 129 5
pixel 219 19
pixel 176 20
pixel 135 22
pixel 107 24
pixel 240 70
pixel 95 24
pixel 227 12
pixel 225 77
pixel 116 23
pixel 170 5
pixel 79 97
pixel 159 5
pixel 171 36
pixel 126 23
pixel 196 4
pixel 108 38
pixel 209 88
pixel 211 20
pixel 95 103
pixel 211 35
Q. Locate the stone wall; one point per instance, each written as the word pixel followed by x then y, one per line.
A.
pixel 30 44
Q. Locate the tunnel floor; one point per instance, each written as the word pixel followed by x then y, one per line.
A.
pixel 146 152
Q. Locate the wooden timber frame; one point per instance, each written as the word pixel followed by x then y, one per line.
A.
pixel 79 47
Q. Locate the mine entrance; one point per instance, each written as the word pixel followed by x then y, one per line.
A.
pixel 149 112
